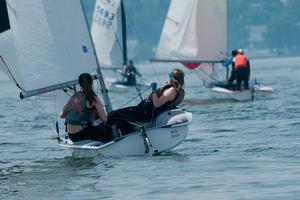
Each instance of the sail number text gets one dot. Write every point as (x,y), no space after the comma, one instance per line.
(104,17)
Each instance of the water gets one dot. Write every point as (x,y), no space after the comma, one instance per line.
(247,150)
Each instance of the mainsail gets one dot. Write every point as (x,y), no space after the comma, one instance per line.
(109,34)
(194,30)
(51,47)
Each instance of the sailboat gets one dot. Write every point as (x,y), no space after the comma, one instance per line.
(46,45)
(195,34)
(110,38)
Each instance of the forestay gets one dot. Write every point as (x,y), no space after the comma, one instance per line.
(107,33)
(51,42)
(194,30)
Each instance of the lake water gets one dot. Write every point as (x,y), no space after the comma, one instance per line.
(234,150)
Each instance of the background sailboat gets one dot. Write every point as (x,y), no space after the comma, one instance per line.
(109,35)
(47,47)
(195,34)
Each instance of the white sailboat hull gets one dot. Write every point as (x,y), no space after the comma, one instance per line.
(257,92)
(171,129)
(263,92)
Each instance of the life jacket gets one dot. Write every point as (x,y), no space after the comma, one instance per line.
(240,61)
(173,103)
(77,112)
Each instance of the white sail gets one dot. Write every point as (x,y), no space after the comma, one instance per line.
(51,42)
(107,33)
(8,50)
(8,56)
(194,30)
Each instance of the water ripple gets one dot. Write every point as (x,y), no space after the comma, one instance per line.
(259,149)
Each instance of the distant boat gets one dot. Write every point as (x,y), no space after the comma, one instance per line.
(195,34)
(47,47)
(110,39)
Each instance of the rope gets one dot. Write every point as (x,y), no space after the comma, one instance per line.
(143,47)
(9,71)
(56,121)
(134,98)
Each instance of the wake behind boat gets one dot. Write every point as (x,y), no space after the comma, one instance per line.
(48,54)
(195,34)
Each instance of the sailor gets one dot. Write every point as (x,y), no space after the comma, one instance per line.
(130,73)
(166,97)
(230,61)
(242,69)
(81,111)
(171,94)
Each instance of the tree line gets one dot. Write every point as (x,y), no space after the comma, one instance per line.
(280,19)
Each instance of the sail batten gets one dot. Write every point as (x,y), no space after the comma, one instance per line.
(194,30)
(50,42)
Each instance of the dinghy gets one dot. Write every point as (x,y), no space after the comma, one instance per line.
(220,91)
(195,34)
(47,46)
(110,39)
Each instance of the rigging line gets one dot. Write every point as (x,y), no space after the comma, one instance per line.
(143,47)
(122,52)
(12,76)
(122,106)
(55,113)
(118,41)
(209,75)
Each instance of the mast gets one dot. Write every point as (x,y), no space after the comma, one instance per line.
(124,35)
(104,91)
(227,37)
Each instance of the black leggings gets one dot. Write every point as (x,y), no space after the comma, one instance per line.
(144,112)
(242,75)
(100,133)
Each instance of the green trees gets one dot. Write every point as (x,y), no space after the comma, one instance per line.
(280,22)
(283,28)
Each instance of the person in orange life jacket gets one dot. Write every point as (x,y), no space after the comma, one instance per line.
(80,112)
(242,70)
(166,97)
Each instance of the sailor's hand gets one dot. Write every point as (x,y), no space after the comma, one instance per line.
(154,86)
(224,63)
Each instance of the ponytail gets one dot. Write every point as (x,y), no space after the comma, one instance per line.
(86,81)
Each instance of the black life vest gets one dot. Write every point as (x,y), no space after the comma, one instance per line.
(173,103)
